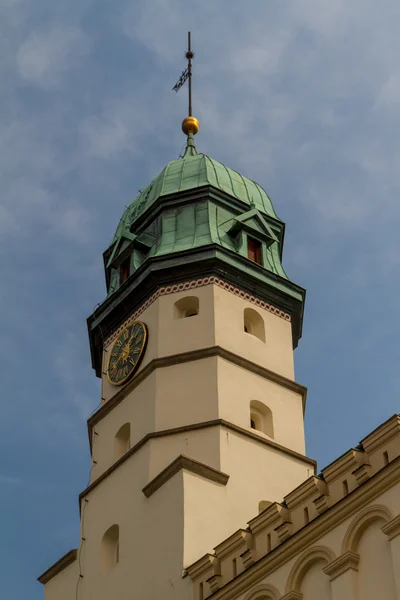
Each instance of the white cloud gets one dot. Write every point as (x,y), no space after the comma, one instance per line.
(45,56)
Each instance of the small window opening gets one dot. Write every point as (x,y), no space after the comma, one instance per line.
(122,441)
(254,250)
(186,307)
(261,418)
(306,516)
(385,458)
(234,567)
(124,270)
(253,323)
(345,487)
(110,548)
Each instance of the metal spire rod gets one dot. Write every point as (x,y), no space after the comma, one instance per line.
(190,124)
(189,56)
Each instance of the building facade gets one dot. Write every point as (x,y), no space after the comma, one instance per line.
(200,486)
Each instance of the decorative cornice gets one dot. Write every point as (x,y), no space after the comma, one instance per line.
(183,357)
(348,560)
(382,434)
(392,528)
(201,566)
(311,486)
(330,519)
(205,424)
(292,595)
(362,474)
(233,542)
(350,459)
(322,503)
(184,462)
(190,285)
(276,512)
(59,566)
(211,260)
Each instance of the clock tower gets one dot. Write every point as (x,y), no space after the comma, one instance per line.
(201,420)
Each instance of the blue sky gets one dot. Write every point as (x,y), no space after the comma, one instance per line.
(302,95)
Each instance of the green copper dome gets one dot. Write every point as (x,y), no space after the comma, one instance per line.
(193,171)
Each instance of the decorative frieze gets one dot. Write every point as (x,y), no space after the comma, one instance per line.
(190,285)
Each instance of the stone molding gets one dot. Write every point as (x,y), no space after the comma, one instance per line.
(261,591)
(59,566)
(311,486)
(191,285)
(184,462)
(242,537)
(382,434)
(347,462)
(176,359)
(361,521)
(392,528)
(273,516)
(194,427)
(322,503)
(362,473)
(292,595)
(346,561)
(202,566)
(307,558)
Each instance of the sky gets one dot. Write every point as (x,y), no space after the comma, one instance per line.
(302,96)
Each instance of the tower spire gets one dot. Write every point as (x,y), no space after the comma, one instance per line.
(190,124)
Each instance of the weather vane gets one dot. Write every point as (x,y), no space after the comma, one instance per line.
(190,124)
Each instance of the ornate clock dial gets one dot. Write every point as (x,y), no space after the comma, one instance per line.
(126,353)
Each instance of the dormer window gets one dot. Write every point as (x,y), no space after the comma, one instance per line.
(124,270)
(254,250)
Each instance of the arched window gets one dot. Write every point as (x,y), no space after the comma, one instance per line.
(186,307)
(253,323)
(110,548)
(122,441)
(261,418)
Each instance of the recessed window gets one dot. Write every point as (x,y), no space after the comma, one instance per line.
(253,323)
(124,270)
(254,250)
(110,548)
(186,307)
(122,441)
(261,418)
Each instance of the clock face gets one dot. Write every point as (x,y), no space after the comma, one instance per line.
(127,353)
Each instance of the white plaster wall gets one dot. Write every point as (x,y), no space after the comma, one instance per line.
(238,386)
(276,354)
(63,586)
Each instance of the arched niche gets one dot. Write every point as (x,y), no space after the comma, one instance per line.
(316,554)
(263,592)
(253,323)
(376,512)
(186,307)
(110,548)
(261,418)
(122,441)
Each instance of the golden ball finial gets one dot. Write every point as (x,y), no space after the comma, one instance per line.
(190,125)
